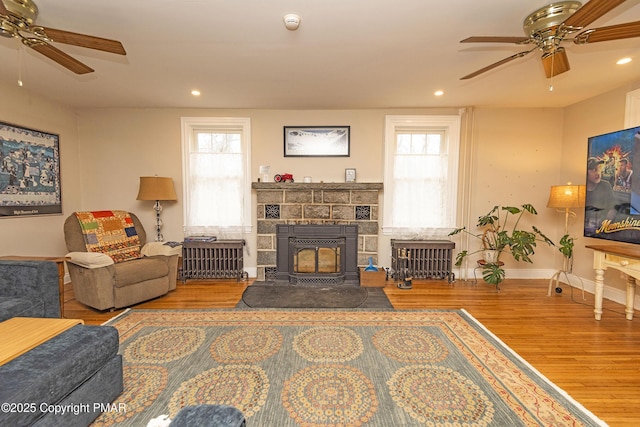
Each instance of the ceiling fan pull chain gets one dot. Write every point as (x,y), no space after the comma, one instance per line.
(552,74)
(20,65)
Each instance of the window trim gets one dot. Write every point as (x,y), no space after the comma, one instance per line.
(191,124)
(451,125)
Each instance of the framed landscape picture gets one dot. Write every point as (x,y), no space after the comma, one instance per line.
(318,141)
(29,172)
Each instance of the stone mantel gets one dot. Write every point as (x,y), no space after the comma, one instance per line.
(317,185)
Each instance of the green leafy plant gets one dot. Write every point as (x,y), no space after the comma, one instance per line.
(501,233)
(493,273)
(566,246)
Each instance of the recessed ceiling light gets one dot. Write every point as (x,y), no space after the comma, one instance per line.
(623,61)
(438,93)
(195,92)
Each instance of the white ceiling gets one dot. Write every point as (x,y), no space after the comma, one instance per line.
(346,54)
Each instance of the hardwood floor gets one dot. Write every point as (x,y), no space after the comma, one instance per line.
(596,362)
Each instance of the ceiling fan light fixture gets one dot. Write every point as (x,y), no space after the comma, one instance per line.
(555,62)
(550,26)
(17,20)
(7,29)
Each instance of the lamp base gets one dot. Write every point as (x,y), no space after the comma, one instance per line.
(158,208)
(555,281)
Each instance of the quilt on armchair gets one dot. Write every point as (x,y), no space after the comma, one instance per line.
(110,232)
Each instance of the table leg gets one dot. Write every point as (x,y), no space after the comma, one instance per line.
(631,295)
(599,293)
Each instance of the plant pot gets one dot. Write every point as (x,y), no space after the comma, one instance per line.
(490,256)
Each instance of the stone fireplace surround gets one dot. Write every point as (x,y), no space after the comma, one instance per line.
(315,203)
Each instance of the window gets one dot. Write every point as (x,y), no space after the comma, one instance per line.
(421,174)
(216,176)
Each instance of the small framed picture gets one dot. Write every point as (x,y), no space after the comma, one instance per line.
(349,175)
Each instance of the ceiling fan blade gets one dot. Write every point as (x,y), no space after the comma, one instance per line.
(497,64)
(58,56)
(84,40)
(3,9)
(555,63)
(495,39)
(591,11)
(613,32)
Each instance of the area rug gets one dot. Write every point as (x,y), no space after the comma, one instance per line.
(287,296)
(332,368)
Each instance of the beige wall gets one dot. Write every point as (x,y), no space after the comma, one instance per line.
(41,235)
(120,145)
(513,157)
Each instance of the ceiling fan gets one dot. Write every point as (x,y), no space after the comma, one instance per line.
(17,20)
(547,28)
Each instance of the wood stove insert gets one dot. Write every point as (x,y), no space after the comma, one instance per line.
(321,254)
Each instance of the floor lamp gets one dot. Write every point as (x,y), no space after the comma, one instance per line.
(157,188)
(563,198)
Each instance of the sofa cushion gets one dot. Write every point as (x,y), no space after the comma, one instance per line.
(52,370)
(89,259)
(139,270)
(20,307)
(159,248)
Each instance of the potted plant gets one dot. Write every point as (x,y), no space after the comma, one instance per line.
(500,234)
(566,246)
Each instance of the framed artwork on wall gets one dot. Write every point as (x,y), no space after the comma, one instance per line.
(316,141)
(29,172)
(612,198)
(349,175)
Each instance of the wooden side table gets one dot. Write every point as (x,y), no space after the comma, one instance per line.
(623,258)
(21,334)
(58,260)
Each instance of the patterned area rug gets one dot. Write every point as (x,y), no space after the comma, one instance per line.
(332,368)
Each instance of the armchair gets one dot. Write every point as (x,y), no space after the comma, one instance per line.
(103,284)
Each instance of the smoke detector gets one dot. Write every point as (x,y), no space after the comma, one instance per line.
(291,21)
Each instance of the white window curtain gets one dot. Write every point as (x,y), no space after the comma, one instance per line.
(421,175)
(216,177)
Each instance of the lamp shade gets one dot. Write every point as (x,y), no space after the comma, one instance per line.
(156,188)
(567,196)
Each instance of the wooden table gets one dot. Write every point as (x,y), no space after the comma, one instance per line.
(620,257)
(58,260)
(21,334)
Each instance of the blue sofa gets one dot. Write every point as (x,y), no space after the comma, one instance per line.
(69,379)
(29,289)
